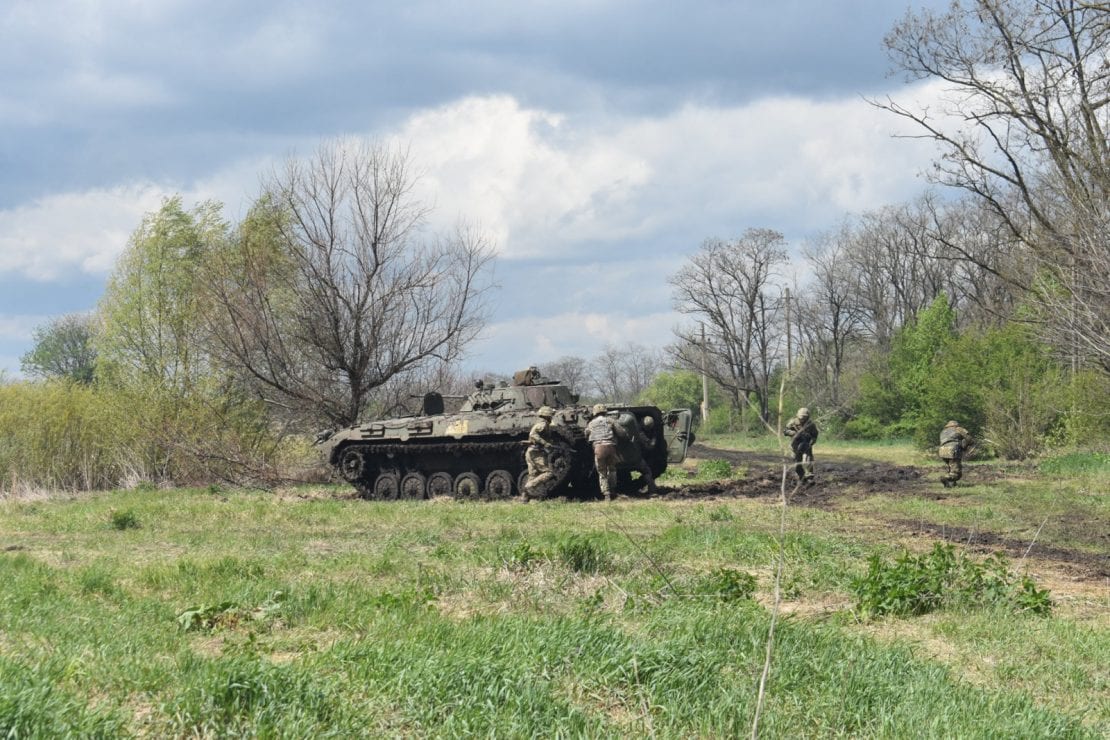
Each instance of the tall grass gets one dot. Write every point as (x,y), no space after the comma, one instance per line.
(68,436)
(241,614)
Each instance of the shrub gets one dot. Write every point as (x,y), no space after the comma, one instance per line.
(864,427)
(943,578)
(126,519)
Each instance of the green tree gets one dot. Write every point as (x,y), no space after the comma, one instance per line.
(1002,384)
(63,349)
(150,309)
(891,392)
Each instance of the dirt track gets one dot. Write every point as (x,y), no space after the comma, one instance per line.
(839,481)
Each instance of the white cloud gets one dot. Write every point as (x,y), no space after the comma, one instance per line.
(543,184)
(73,231)
(534,340)
(538,181)
(19,327)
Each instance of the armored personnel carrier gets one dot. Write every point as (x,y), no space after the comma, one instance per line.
(478,452)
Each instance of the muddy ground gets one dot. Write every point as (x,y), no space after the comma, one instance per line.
(840,481)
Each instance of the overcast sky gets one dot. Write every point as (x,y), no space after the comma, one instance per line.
(597,142)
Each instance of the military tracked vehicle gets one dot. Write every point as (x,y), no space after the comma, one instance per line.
(478,451)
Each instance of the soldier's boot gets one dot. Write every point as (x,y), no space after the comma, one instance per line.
(535,487)
(652,489)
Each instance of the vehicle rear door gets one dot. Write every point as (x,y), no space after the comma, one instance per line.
(676,430)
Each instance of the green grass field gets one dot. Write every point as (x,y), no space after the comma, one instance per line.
(307,613)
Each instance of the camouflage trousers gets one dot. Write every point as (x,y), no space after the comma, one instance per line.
(954,471)
(803,456)
(539,467)
(606,459)
(644,470)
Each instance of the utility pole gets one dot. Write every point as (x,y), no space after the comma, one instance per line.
(704,380)
(789,347)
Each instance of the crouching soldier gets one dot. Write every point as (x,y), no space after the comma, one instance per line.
(954,442)
(803,433)
(542,439)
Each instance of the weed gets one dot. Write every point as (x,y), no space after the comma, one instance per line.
(583,554)
(520,556)
(727,584)
(721,514)
(210,617)
(943,578)
(125,519)
(715,469)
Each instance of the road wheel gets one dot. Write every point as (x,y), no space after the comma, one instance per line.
(352,464)
(467,485)
(387,486)
(414,485)
(499,484)
(440,484)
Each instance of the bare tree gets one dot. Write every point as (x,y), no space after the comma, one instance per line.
(1029,91)
(331,289)
(621,374)
(571,370)
(831,317)
(729,288)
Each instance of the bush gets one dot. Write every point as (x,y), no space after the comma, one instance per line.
(943,578)
(125,519)
(69,436)
(864,427)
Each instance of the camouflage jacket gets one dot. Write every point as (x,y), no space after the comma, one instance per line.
(603,429)
(541,434)
(953,442)
(804,433)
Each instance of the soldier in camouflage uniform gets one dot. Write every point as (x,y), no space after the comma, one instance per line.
(542,438)
(954,441)
(803,433)
(603,433)
(633,450)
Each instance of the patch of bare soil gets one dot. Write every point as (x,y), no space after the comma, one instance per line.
(987,542)
(839,481)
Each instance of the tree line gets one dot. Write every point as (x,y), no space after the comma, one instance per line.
(985,299)
(993,305)
(325,302)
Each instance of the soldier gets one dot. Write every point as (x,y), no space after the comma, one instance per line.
(954,441)
(803,433)
(541,439)
(633,450)
(603,433)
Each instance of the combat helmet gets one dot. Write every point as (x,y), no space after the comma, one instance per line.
(546,412)
(803,413)
(952,423)
(599,409)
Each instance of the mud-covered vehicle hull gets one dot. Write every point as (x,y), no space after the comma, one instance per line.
(478,452)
